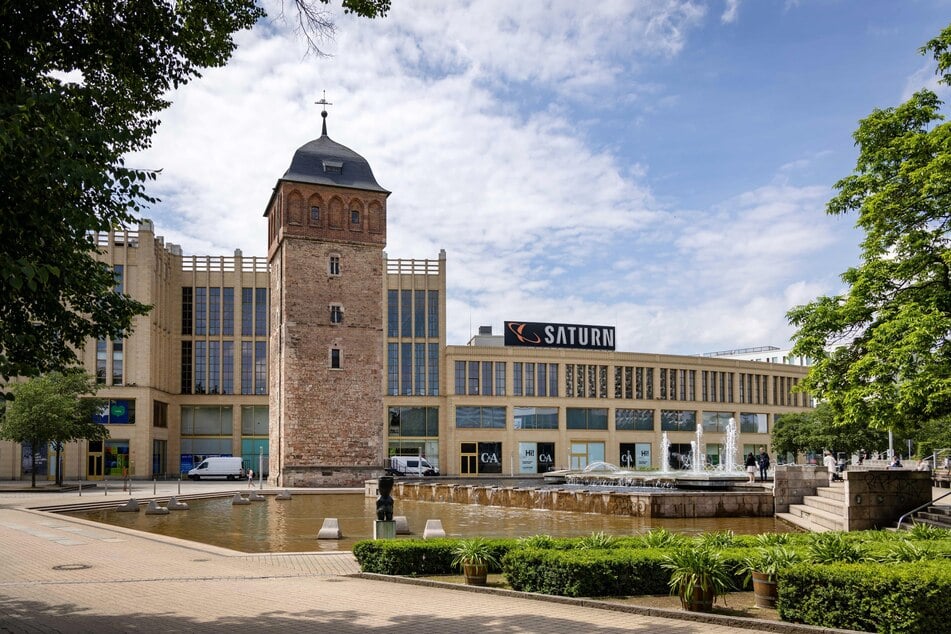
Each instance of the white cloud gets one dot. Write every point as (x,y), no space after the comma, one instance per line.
(730,12)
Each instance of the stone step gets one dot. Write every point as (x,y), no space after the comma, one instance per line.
(820,519)
(939,509)
(834,491)
(935,519)
(836,507)
(801,522)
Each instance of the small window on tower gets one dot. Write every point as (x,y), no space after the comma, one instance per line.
(336,314)
(334,265)
(335,358)
(333,167)
(315,214)
(354,217)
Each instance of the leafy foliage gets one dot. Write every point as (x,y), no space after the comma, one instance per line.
(815,430)
(595,541)
(698,568)
(49,409)
(661,538)
(81,85)
(881,351)
(834,547)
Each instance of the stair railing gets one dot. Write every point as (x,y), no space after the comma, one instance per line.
(923,506)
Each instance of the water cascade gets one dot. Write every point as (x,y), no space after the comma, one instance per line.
(664,453)
(697,453)
(730,445)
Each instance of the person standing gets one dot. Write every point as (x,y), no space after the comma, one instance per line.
(829,461)
(763,463)
(250,478)
(751,467)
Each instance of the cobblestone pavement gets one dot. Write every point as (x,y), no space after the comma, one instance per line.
(61,574)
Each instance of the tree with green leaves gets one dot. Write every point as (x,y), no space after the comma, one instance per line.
(881,351)
(54,408)
(81,86)
(816,430)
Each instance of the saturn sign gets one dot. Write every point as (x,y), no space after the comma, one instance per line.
(541,335)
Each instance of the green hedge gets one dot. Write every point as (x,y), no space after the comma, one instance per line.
(416,557)
(897,598)
(586,573)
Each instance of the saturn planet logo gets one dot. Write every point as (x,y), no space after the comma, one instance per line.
(519,331)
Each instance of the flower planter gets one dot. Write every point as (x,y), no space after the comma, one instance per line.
(764,590)
(700,600)
(475,574)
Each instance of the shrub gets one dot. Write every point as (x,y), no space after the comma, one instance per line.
(586,573)
(418,557)
(896,598)
(661,538)
(697,567)
(717,540)
(595,541)
(834,547)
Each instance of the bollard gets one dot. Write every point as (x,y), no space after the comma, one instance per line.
(80,489)
(153,486)
(179,485)
(106,488)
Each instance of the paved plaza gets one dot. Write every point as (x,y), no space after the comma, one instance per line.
(61,574)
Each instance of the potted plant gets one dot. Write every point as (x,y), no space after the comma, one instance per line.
(763,567)
(474,556)
(698,576)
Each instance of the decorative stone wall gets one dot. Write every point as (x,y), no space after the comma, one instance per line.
(793,482)
(876,499)
(672,504)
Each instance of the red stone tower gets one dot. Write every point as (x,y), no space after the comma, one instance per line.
(326,234)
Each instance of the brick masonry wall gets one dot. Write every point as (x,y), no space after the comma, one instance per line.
(326,423)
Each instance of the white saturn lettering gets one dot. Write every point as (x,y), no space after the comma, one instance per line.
(579,336)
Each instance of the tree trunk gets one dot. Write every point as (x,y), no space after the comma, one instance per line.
(33,464)
(59,471)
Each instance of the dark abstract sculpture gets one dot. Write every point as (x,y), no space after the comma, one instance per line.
(384,503)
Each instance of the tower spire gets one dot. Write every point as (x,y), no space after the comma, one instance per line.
(323,113)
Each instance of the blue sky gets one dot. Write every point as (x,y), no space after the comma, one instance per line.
(661,166)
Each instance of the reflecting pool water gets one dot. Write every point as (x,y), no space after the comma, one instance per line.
(292,525)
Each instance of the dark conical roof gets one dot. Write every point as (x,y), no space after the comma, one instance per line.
(323,161)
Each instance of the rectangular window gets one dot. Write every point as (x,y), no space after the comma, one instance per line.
(186,367)
(406,313)
(260,367)
(214,311)
(500,378)
(116,412)
(460,377)
(247,312)
(535,417)
(186,310)
(406,369)
(486,378)
(716,421)
(227,312)
(201,310)
(335,358)
(480,417)
(117,352)
(260,312)
(634,420)
(414,422)
(678,420)
(586,418)
(247,367)
(354,217)
(752,423)
(117,272)
(419,321)
(101,353)
(201,369)
(392,369)
(392,313)
(334,268)
(419,366)
(433,369)
(214,367)
(529,379)
(227,367)
(159,414)
(516,378)
(542,381)
(569,379)
(639,383)
(552,379)
(432,315)
(336,314)
(473,376)
(314,214)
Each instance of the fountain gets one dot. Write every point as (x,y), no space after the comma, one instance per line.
(664,453)
(697,451)
(729,448)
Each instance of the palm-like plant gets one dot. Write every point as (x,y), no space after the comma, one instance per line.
(474,556)
(833,547)
(661,538)
(698,574)
(595,541)
(768,561)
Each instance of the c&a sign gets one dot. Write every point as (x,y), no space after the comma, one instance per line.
(533,334)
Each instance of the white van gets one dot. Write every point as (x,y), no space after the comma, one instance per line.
(411,465)
(220,467)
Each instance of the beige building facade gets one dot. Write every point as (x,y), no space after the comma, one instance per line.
(318,362)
